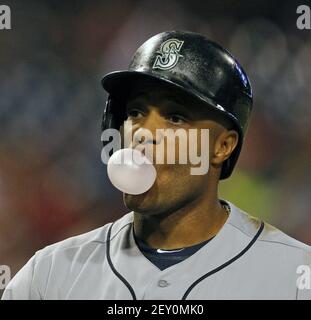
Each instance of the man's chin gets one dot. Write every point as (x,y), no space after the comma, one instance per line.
(140,203)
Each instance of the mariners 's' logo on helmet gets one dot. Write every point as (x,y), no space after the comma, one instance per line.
(168,54)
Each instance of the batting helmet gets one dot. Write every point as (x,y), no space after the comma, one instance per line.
(193,63)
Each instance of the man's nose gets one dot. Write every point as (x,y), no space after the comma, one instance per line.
(144,136)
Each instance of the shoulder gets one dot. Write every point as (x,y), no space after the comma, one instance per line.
(59,264)
(85,242)
(271,238)
(279,257)
(78,242)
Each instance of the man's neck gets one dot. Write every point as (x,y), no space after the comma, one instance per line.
(196,222)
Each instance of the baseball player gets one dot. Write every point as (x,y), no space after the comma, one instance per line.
(179,241)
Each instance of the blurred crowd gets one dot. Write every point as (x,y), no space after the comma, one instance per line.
(52,182)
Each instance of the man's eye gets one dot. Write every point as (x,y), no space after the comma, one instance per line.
(134,113)
(176,119)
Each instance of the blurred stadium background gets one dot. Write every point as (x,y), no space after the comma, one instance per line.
(52,182)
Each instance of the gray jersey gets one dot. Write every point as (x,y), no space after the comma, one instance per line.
(247,259)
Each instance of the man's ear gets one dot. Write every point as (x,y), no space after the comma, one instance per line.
(225,143)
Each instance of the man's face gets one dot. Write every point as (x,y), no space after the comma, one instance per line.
(159,107)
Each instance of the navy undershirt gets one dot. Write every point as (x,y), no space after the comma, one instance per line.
(166,258)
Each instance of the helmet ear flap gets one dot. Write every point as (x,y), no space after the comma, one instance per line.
(114,114)
(110,120)
(107,120)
